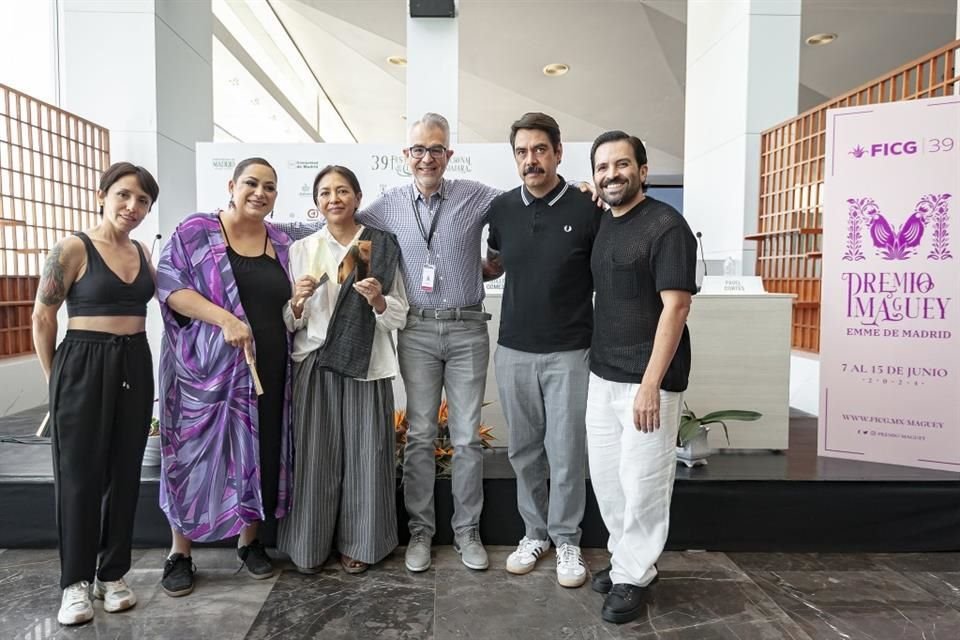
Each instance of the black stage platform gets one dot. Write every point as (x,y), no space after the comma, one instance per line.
(790,501)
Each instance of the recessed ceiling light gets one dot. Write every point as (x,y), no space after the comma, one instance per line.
(819,39)
(556,69)
(397,61)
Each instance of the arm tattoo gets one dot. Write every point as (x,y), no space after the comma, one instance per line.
(52,291)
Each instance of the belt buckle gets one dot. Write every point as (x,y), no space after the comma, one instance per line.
(436,313)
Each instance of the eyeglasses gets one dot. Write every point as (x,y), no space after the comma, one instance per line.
(418,151)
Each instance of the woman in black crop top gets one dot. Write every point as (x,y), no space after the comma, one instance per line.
(101,389)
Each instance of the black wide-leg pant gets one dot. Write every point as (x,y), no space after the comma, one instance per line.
(101,402)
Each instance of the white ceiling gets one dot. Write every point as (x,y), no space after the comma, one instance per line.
(635,46)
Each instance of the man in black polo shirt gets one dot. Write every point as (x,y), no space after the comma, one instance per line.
(541,234)
(643,264)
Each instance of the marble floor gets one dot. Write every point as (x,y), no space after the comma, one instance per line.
(699,596)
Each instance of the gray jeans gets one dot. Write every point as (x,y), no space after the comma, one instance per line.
(544,398)
(450,355)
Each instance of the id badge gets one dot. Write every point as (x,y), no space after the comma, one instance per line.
(426,281)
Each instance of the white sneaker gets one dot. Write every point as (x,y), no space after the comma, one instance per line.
(116,595)
(571,571)
(524,559)
(75,607)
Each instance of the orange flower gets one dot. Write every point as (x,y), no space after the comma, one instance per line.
(443,414)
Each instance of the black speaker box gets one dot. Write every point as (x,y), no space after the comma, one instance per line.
(432,9)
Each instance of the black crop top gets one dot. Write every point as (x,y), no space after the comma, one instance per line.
(101,292)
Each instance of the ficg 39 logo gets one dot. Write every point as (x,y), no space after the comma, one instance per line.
(898,148)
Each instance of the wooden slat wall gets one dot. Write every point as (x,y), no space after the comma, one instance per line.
(791,184)
(50,162)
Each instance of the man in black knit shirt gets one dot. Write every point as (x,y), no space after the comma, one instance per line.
(643,265)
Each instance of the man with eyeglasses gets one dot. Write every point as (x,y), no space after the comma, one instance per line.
(445,345)
(541,235)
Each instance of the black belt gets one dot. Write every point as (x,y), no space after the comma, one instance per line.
(473,312)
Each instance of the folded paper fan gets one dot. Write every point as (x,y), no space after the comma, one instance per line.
(320,261)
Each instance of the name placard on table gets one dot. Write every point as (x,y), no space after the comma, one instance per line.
(733,285)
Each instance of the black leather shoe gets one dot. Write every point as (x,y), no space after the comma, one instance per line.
(255,558)
(624,603)
(601,582)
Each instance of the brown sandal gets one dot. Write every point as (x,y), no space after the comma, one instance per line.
(352,566)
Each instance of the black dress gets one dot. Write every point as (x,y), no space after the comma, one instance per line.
(264,289)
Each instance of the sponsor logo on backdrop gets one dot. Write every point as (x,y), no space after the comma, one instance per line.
(460,164)
(303,164)
(306,191)
(223,163)
(313,214)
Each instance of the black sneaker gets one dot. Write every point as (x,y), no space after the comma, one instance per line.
(624,603)
(178,575)
(255,558)
(601,582)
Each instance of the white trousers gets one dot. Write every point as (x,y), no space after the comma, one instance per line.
(632,474)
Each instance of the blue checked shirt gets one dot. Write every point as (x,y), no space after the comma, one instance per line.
(454,248)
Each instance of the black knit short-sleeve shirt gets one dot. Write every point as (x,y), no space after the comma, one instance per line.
(647,250)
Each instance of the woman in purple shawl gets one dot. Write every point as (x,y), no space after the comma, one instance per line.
(227,455)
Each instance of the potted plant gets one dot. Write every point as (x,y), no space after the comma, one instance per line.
(151,455)
(442,446)
(692,445)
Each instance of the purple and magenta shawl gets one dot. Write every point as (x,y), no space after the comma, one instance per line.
(210,474)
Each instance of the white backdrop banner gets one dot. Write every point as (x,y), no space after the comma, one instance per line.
(890,324)
(378,167)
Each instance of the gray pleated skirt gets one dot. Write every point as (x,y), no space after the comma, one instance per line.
(344,477)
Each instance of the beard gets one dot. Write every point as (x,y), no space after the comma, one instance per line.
(629,192)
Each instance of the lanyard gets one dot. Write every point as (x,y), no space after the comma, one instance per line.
(427,236)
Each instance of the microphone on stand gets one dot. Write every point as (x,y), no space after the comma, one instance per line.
(703,259)
(154,244)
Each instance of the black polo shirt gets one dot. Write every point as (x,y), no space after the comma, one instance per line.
(647,250)
(545,245)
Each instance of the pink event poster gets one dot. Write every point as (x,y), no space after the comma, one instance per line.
(890,321)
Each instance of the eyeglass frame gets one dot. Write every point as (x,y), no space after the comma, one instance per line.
(436,152)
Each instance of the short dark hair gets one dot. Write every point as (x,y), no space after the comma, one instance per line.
(343,171)
(540,122)
(639,151)
(120,169)
(243,164)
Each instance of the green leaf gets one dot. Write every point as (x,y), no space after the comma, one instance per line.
(731,414)
(689,430)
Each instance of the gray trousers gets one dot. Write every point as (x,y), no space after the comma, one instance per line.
(544,398)
(451,356)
